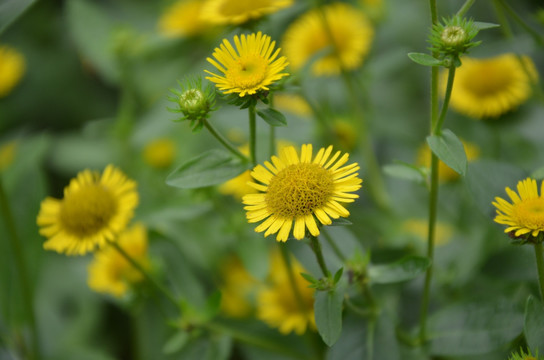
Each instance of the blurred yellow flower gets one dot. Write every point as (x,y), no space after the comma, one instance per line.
(160,153)
(279,306)
(445,173)
(12,68)
(307,36)
(525,215)
(238,186)
(488,88)
(182,18)
(238,289)
(292,103)
(95,209)
(222,12)
(294,191)
(419,229)
(7,154)
(252,67)
(110,272)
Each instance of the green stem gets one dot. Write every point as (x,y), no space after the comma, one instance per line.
(466,6)
(333,245)
(505,26)
(145,274)
(540,267)
(272,138)
(371,328)
(316,247)
(20,264)
(449,86)
(224,141)
(252,134)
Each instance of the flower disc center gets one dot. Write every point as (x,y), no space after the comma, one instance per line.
(249,71)
(88,210)
(530,213)
(299,189)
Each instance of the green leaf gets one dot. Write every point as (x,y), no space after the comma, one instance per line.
(405,171)
(471,329)
(10,10)
(272,117)
(450,150)
(484,25)
(338,275)
(176,342)
(405,269)
(340,222)
(309,278)
(211,168)
(534,325)
(328,315)
(425,59)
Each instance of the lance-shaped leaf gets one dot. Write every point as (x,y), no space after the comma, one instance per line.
(450,150)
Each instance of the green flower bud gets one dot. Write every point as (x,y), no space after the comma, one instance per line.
(453,37)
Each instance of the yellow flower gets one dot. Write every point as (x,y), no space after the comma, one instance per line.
(292,103)
(253,66)
(277,304)
(110,272)
(160,153)
(238,186)
(526,212)
(419,228)
(224,12)
(237,290)
(7,154)
(294,190)
(445,173)
(350,29)
(488,88)
(12,68)
(182,18)
(95,209)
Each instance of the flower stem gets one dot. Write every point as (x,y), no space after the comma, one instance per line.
(224,141)
(333,245)
(466,6)
(540,267)
(272,136)
(316,247)
(449,86)
(26,291)
(145,274)
(252,134)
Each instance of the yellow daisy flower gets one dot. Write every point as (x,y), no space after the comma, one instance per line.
(526,212)
(95,209)
(351,31)
(160,153)
(445,173)
(294,190)
(292,103)
(110,272)
(277,304)
(12,68)
(238,289)
(488,88)
(222,12)
(182,18)
(253,66)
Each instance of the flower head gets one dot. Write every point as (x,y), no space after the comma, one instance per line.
(182,18)
(453,37)
(252,67)
(295,190)
(351,33)
(110,272)
(95,209)
(224,12)
(193,101)
(278,305)
(12,68)
(525,215)
(160,153)
(488,88)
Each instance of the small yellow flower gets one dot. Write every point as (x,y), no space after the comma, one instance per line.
(182,18)
(350,29)
(445,173)
(110,272)
(238,289)
(12,68)
(95,209)
(277,304)
(419,229)
(295,190)
(525,215)
(253,66)
(160,153)
(488,88)
(7,154)
(222,12)
(292,103)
